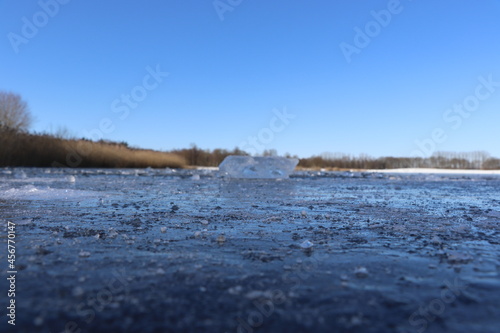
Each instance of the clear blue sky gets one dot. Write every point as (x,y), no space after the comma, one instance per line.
(231,63)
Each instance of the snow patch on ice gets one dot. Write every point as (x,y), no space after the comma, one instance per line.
(437,171)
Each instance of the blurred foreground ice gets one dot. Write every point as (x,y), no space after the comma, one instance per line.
(257,167)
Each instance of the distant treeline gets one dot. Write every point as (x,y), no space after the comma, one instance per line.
(195,156)
(442,160)
(19,148)
(445,160)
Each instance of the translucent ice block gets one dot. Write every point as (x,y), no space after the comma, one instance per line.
(257,167)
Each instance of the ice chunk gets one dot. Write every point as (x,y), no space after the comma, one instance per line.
(257,167)
(84,254)
(20,174)
(361,272)
(455,257)
(307,244)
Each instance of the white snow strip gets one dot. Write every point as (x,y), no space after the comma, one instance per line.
(437,171)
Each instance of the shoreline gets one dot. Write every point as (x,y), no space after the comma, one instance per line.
(297,169)
(401,170)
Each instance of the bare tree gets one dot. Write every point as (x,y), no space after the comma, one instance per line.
(14,112)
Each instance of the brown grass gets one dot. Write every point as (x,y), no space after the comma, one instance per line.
(35,150)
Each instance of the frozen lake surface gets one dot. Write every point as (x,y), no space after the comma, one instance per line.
(186,251)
